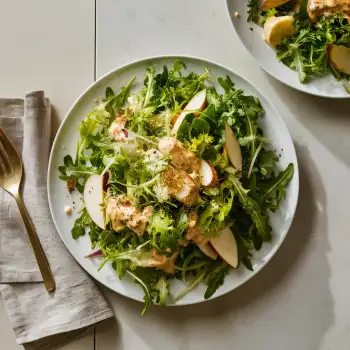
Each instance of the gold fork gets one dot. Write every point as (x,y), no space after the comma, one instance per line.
(11,170)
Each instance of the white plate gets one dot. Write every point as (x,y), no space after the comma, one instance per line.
(66,141)
(265,55)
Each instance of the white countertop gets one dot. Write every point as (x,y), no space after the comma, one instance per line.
(301,299)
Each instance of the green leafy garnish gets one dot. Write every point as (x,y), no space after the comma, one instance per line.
(253,11)
(80,224)
(216,278)
(274,189)
(114,103)
(259,218)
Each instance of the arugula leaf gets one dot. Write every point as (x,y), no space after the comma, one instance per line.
(252,110)
(109,92)
(200,126)
(80,224)
(148,296)
(155,282)
(78,230)
(259,218)
(244,254)
(216,278)
(299,64)
(196,254)
(162,79)
(198,278)
(162,286)
(266,161)
(149,82)
(107,238)
(185,129)
(178,65)
(227,83)
(273,190)
(114,103)
(75,171)
(192,83)
(94,234)
(253,11)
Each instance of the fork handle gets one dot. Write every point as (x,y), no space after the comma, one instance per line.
(39,253)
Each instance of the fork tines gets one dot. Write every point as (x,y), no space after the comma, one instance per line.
(5,160)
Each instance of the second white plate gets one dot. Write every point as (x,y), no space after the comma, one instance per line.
(251,36)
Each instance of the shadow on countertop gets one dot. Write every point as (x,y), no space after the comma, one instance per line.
(327,119)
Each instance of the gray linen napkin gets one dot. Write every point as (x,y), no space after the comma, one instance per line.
(39,319)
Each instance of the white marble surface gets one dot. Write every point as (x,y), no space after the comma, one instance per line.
(300,300)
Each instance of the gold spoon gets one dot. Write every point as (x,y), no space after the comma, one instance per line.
(11,170)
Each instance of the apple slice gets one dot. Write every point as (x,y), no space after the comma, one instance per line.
(226,246)
(269,4)
(174,118)
(339,57)
(93,197)
(233,148)
(208,175)
(208,250)
(197,103)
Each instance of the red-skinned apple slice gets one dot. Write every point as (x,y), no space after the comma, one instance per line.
(208,250)
(174,118)
(197,103)
(226,246)
(339,57)
(233,149)
(269,4)
(208,175)
(93,197)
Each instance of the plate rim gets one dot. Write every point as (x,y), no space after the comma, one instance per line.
(275,248)
(271,74)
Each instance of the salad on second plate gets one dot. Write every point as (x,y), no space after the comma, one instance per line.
(310,36)
(176,181)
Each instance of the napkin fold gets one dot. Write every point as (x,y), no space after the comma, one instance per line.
(40,320)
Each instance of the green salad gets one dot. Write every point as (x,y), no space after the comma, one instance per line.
(176,180)
(310,36)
